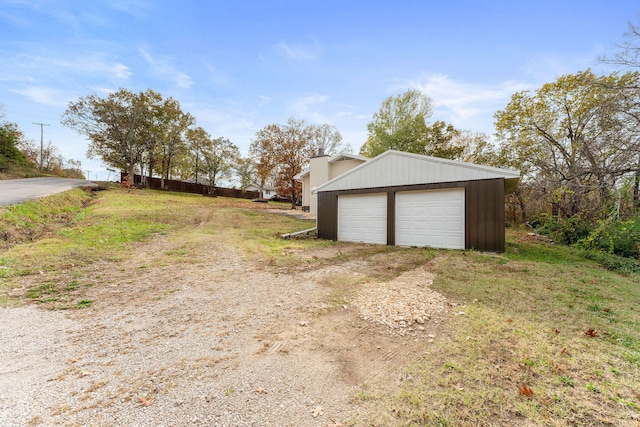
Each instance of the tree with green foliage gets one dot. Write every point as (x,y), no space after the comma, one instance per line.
(400,124)
(219,157)
(117,126)
(574,139)
(10,137)
(168,127)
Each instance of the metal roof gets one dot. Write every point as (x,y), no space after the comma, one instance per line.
(393,168)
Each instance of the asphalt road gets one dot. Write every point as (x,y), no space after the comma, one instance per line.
(13,191)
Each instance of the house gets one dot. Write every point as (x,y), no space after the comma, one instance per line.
(268,191)
(408,199)
(323,168)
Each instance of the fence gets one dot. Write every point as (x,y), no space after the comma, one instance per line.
(190,187)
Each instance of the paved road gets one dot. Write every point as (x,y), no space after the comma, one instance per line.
(13,191)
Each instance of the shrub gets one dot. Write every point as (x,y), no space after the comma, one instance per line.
(626,266)
(565,231)
(615,237)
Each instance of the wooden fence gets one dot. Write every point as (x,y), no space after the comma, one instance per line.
(189,187)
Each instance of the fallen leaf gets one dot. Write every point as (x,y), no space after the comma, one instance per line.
(260,391)
(317,411)
(144,402)
(524,390)
(591,333)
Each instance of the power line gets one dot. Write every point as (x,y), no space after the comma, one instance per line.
(42,125)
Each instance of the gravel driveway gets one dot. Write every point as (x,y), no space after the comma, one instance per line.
(229,344)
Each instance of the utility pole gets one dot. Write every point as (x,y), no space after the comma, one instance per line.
(42,125)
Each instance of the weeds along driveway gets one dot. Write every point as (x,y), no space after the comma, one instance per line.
(224,342)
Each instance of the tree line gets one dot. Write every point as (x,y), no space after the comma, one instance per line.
(147,134)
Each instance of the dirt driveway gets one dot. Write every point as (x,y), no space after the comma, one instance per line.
(228,344)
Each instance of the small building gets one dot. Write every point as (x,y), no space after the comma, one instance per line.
(407,199)
(321,169)
(268,191)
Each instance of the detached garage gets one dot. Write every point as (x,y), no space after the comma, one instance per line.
(407,199)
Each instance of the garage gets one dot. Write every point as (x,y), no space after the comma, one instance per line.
(432,218)
(363,218)
(408,199)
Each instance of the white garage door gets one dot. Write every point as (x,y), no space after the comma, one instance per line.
(363,218)
(432,218)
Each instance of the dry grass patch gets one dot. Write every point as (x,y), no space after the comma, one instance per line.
(542,337)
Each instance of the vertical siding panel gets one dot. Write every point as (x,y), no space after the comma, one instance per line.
(391,218)
(327,221)
(471,215)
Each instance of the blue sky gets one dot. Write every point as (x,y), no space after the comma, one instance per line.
(238,66)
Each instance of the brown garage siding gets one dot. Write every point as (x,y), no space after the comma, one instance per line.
(484,211)
(328,215)
(484,215)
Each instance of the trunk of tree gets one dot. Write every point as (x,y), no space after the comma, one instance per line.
(150,172)
(520,199)
(293,194)
(636,190)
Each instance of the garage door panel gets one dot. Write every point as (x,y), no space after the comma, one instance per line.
(363,218)
(432,218)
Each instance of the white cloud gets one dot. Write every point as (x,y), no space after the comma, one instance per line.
(307,108)
(162,65)
(45,95)
(298,51)
(136,8)
(229,121)
(466,105)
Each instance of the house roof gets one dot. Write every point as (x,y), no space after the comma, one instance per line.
(333,159)
(393,168)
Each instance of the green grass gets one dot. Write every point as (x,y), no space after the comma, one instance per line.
(57,235)
(528,313)
(553,318)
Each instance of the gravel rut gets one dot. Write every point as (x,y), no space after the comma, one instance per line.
(224,343)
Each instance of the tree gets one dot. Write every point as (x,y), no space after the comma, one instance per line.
(628,53)
(441,140)
(218,158)
(573,139)
(284,149)
(115,125)
(245,169)
(327,140)
(168,128)
(400,124)
(10,139)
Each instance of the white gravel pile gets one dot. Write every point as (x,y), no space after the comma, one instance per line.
(402,305)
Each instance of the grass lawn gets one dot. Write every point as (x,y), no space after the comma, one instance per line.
(540,334)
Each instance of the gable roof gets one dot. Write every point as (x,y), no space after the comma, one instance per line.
(393,168)
(335,158)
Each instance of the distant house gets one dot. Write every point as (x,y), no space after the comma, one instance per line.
(321,169)
(408,199)
(268,191)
